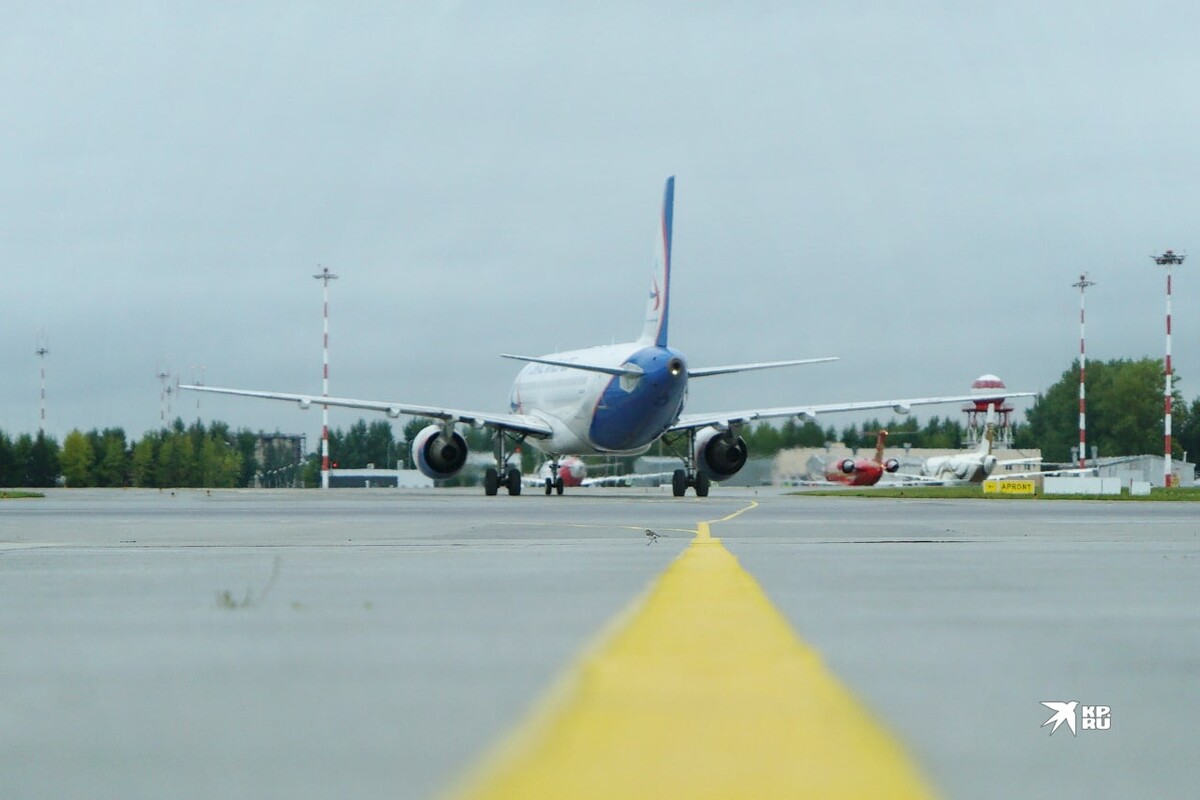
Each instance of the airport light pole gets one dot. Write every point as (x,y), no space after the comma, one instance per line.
(325,276)
(1082,285)
(162,376)
(43,350)
(1167,259)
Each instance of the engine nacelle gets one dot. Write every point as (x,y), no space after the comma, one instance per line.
(891,465)
(436,456)
(902,409)
(847,466)
(719,454)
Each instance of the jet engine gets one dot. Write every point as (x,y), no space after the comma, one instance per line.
(719,454)
(891,465)
(846,466)
(437,456)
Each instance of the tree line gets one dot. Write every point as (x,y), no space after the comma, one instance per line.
(766,439)
(1124,415)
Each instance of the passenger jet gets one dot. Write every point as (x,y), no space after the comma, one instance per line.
(609,400)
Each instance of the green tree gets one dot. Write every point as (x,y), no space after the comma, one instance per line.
(175,460)
(1189,430)
(77,459)
(112,465)
(43,461)
(144,462)
(1124,410)
(246,442)
(8,462)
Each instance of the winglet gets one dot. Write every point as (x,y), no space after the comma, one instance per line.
(659,303)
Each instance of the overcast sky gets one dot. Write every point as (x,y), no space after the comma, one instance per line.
(911,186)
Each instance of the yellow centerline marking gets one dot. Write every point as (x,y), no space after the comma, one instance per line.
(753,505)
(702,689)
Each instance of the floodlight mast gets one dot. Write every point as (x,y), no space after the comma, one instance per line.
(325,276)
(1168,259)
(1082,285)
(163,376)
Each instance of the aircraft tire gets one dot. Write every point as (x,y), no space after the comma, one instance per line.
(514,482)
(558,485)
(702,484)
(679,483)
(491,482)
(549,485)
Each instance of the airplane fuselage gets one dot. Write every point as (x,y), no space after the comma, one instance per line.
(969,468)
(865,472)
(598,413)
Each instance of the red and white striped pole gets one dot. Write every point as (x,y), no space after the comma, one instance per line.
(1167,259)
(42,351)
(1081,285)
(325,276)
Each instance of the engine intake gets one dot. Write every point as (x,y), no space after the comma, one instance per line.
(437,456)
(719,454)
(847,466)
(891,465)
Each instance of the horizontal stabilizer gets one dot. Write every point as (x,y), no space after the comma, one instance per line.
(704,372)
(621,371)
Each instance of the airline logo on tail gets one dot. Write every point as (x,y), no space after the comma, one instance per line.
(659,304)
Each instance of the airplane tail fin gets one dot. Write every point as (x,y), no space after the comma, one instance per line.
(880,443)
(659,303)
(989,431)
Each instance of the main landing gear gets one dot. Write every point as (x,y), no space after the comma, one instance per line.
(681,479)
(492,482)
(503,474)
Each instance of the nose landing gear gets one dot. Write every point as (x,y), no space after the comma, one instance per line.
(554,483)
(681,479)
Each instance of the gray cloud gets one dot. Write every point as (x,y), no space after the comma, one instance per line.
(913,189)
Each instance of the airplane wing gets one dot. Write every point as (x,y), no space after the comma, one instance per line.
(704,372)
(1050,473)
(728,418)
(521,423)
(627,478)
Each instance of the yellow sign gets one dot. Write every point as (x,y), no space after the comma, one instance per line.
(1008,487)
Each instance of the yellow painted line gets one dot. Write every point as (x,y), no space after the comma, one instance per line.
(701,690)
(739,512)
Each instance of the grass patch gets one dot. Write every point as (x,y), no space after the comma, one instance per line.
(1189,494)
(9,494)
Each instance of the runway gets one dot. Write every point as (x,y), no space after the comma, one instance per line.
(369,643)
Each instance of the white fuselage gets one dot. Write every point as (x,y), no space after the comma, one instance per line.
(965,468)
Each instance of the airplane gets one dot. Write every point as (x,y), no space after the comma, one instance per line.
(862,471)
(614,399)
(571,472)
(978,465)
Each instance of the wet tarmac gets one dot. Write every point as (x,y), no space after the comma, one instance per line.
(370,643)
